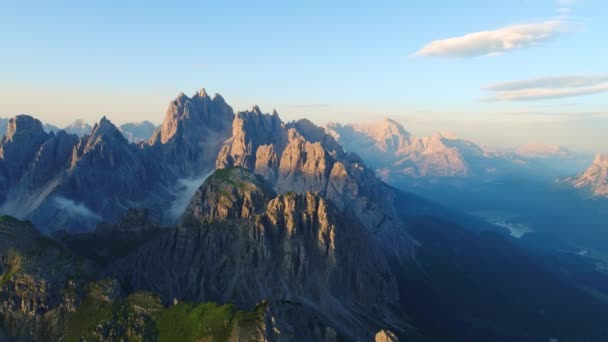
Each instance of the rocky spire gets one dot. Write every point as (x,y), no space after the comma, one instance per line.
(601,160)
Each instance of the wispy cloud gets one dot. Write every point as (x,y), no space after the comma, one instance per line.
(75,209)
(494,42)
(548,88)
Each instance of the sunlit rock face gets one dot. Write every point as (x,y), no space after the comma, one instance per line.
(244,243)
(595,178)
(301,157)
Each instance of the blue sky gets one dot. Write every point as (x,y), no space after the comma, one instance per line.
(499,73)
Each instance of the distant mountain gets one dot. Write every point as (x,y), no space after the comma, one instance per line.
(595,178)
(46,126)
(541,150)
(395,152)
(137,131)
(50,128)
(79,127)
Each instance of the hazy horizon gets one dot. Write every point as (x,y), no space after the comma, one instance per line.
(501,75)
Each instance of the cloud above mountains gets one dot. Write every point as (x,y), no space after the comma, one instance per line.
(548,88)
(494,42)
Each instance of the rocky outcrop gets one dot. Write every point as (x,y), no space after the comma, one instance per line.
(245,244)
(595,179)
(386,336)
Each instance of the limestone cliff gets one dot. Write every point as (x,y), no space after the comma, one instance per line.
(245,244)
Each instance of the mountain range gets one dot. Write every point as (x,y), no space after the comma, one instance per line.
(398,156)
(239,226)
(133,131)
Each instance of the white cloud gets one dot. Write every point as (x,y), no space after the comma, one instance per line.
(75,209)
(548,88)
(494,42)
(185,189)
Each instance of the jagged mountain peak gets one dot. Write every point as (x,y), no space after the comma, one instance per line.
(595,178)
(232,193)
(24,124)
(256,109)
(201,93)
(601,160)
(199,111)
(107,130)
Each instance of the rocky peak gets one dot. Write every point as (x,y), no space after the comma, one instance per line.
(601,160)
(187,114)
(232,193)
(24,137)
(201,93)
(24,126)
(251,130)
(106,129)
(594,179)
(103,133)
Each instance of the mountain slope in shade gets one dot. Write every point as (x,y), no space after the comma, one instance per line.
(595,178)
(101,175)
(393,151)
(137,131)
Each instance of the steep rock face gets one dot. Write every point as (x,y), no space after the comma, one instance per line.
(245,244)
(51,158)
(23,138)
(251,130)
(105,176)
(595,178)
(300,157)
(191,134)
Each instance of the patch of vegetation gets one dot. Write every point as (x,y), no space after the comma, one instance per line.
(141,316)
(91,313)
(191,322)
(7,218)
(14,263)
